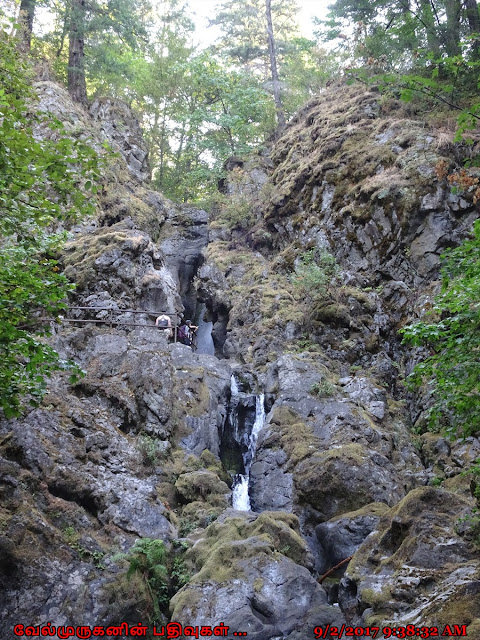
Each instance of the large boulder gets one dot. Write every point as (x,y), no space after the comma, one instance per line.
(418,566)
(250,573)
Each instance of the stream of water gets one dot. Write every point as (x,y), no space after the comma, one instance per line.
(204,334)
(240,497)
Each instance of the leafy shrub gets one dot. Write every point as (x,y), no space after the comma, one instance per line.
(96,557)
(451,373)
(322,388)
(314,274)
(150,450)
(147,560)
(39,189)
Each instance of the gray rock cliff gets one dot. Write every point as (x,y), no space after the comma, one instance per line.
(146,445)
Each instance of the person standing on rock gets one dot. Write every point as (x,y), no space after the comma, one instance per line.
(184,334)
(164,323)
(192,330)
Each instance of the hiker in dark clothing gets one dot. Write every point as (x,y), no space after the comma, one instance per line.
(186,333)
(183,334)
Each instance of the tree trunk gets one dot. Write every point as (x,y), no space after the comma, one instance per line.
(452,36)
(273,66)
(77,86)
(163,142)
(27,14)
(431,26)
(471,7)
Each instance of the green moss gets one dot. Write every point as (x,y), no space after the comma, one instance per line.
(199,484)
(461,607)
(473,629)
(376,599)
(294,436)
(335,314)
(186,599)
(180,462)
(80,254)
(199,514)
(194,393)
(353,451)
(119,203)
(258,584)
(217,553)
(363,297)
(373,509)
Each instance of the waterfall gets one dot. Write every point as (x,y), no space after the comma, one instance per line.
(234,402)
(234,387)
(240,498)
(204,334)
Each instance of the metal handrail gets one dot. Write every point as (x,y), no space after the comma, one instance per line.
(158,313)
(111,321)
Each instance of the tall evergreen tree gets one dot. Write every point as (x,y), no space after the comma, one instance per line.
(77,85)
(26,18)
(273,66)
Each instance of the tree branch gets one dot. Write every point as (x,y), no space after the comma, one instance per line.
(330,571)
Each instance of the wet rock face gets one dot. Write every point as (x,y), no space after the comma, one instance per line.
(119,267)
(341,536)
(183,244)
(417,566)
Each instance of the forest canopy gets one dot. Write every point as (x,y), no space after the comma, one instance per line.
(198,103)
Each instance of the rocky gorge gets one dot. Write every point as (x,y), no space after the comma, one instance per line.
(149,444)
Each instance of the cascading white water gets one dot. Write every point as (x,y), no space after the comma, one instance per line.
(240,498)
(234,401)
(204,334)
(233,386)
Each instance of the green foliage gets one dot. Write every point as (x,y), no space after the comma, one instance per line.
(43,181)
(314,273)
(236,212)
(186,527)
(196,107)
(147,559)
(96,557)
(162,573)
(149,449)
(304,68)
(221,112)
(451,373)
(113,32)
(244,31)
(322,389)
(402,34)
(180,575)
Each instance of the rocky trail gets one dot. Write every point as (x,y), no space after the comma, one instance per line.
(286,443)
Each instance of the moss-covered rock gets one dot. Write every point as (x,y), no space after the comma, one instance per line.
(200,484)
(344,479)
(245,574)
(416,565)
